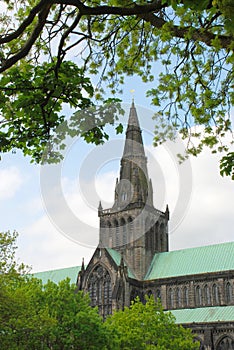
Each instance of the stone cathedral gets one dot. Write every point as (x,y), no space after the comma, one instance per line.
(133,258)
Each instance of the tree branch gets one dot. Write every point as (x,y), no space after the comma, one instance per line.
(24,24)
(28,45)
(198,35)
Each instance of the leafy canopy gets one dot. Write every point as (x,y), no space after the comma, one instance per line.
(33,316)
(148,327)
(50,48)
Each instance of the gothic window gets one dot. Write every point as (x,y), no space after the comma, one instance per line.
(156,237)
(226,343)
(109,233)
(149,293)
(158,294)
(130,229)
(207,299)
(228,292)
(186,297)
(124,196)
(124,230)
(161,246)
(147,234)
(170,299)
(215,292)
(117,236)
(152,236)
(100,290)
(133,295)
(198,296)
(196,339)
(178,297)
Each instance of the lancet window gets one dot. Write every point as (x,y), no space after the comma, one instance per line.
(100,290)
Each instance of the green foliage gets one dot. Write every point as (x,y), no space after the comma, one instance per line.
(148,327)
(8,265)
(185,46)
(227,165)
(33,316)
(31,101)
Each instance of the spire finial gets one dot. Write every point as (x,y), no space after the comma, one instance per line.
(132,93)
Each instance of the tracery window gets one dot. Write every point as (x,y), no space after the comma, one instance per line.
(226,343)
(100,290)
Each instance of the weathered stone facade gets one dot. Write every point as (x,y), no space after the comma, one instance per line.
(132,258)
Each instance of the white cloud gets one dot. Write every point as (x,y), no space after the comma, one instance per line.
(10,182)
(43,247)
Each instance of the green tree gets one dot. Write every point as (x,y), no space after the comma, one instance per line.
(192,41)
(148,327)
(34,316)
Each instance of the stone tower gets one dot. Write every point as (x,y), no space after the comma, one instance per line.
(133,226)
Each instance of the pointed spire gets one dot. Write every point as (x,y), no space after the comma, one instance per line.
(133,144)
(82,266)
(100,208)
(133,182)
(133,118)
(167,213)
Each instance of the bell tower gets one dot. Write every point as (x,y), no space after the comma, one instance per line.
(133,226)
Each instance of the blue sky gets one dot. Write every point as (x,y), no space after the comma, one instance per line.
(203,215)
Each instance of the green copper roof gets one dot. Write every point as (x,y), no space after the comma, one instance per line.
(204,314)
(192,261)
(58,275)
(116,256)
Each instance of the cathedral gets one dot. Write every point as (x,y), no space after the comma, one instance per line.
(133,258)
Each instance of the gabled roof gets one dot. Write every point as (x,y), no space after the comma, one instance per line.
(58,275)
(204,314)
(192,261)
(116,256)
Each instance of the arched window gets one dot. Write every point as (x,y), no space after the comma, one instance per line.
(228,292)
(149,293)
(152,236)
(124,231)
(226,343)
(170,299)
(100,290)
(158,294)
(178,297)
(117,235)
(109,232)
(198,296)
(186,297)
(147,234)
(130,230)
(161,246)
(156,237)
(207,298)
(215,292)
(134,294)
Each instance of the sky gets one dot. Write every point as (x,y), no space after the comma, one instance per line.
(54,208)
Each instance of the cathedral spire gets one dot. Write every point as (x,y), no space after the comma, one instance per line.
(133,143)
(134,184)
